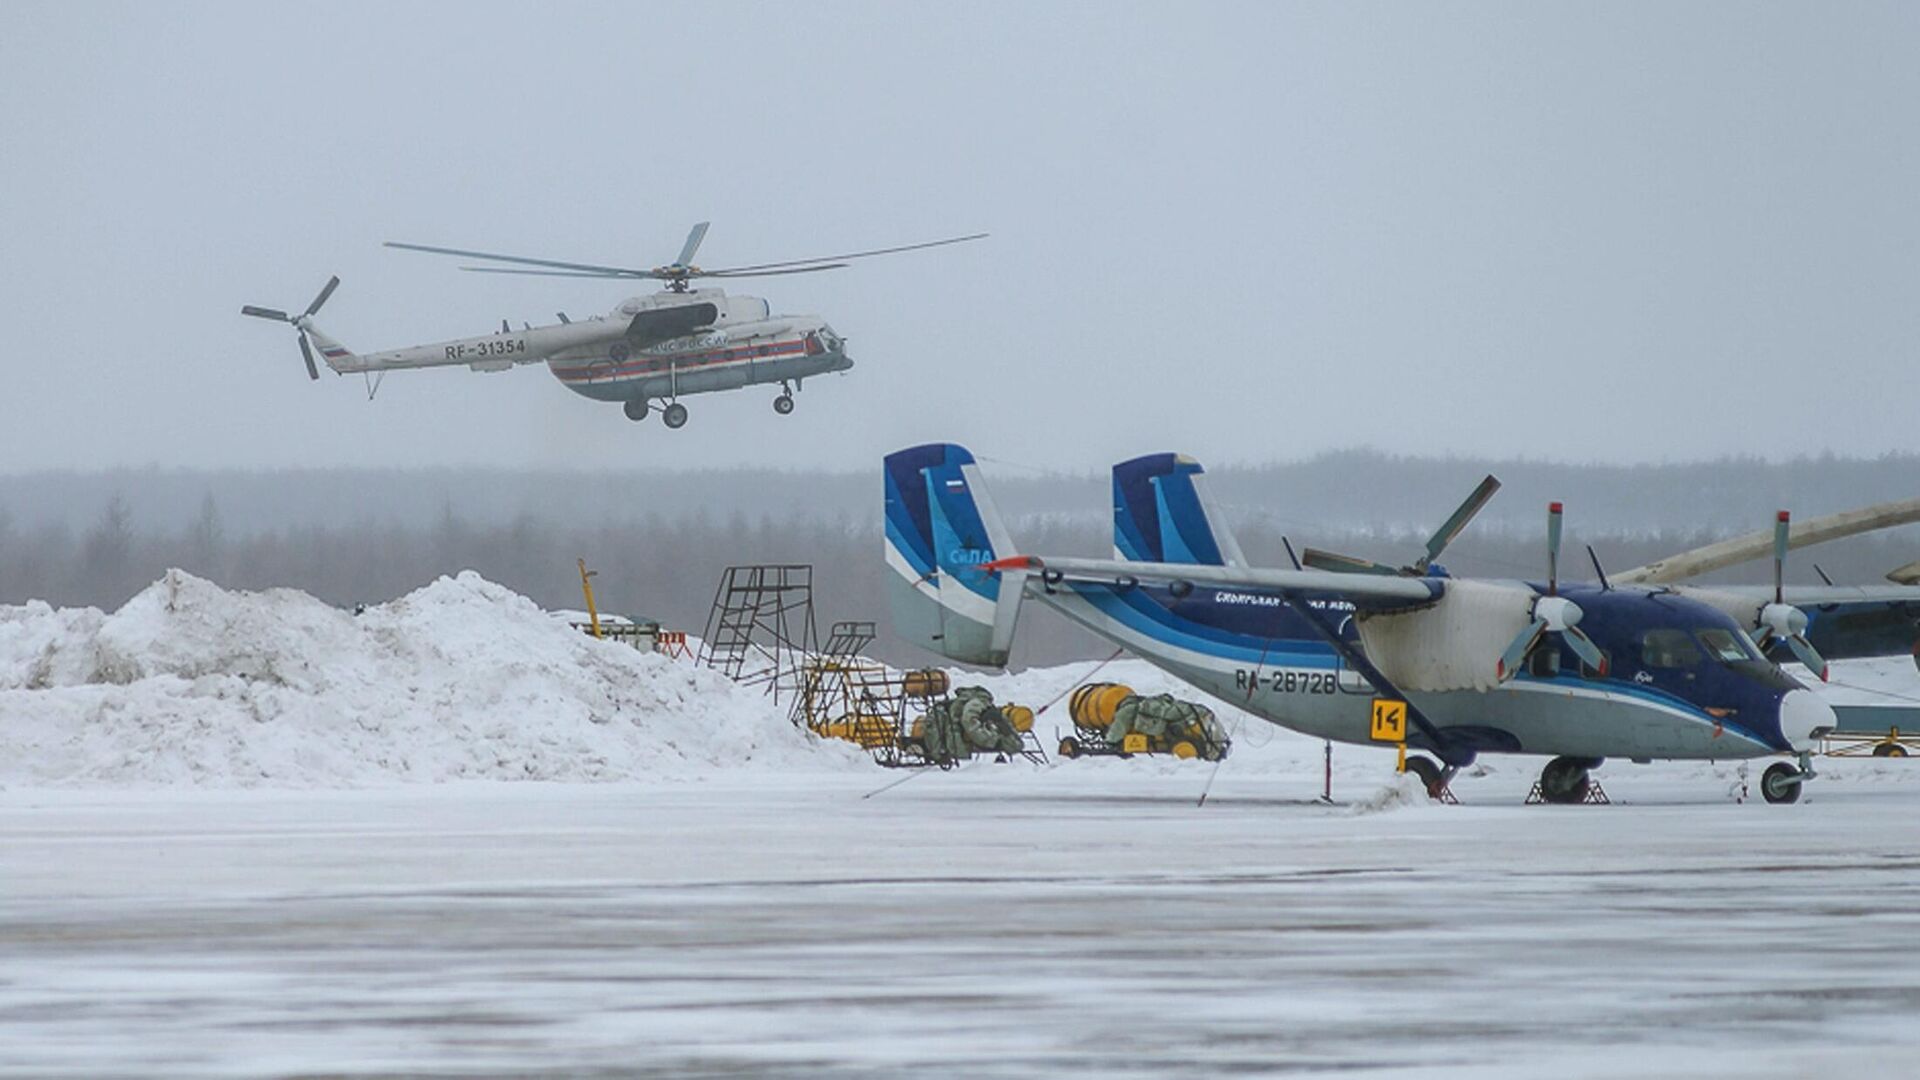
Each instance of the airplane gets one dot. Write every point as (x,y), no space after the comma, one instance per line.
(1576,672)
(647,353)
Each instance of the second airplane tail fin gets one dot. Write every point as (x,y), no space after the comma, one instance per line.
(1164,512)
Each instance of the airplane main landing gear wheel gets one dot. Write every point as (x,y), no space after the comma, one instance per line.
(674,415)
(1781,783)
(783,404)
(1565,781)
(637,409)
(1429,773)
(1889,749)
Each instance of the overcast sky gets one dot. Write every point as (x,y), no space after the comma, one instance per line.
(1251,232)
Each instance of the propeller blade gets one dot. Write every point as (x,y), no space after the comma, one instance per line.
(1780,526)
(850,255)
(1804,652)
(694,236)
(332,284)
(266,313)
(1553,549)
(1458,522)
(1516,653)
(1291,557)
(1584,647)
(609,271)
(306,352)
(1345,564)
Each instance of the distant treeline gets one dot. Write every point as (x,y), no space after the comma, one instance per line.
(661,542)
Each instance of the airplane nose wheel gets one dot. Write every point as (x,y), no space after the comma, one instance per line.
(674,415)
(783,404)
(1781,783)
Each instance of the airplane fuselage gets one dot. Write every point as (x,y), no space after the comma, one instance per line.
(1253,649)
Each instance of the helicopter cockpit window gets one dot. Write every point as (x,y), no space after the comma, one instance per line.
(1726,646)
(1669,649)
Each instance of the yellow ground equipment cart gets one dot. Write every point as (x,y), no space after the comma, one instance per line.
(1109,718)
(1876,730)
(843,695)
(969,723)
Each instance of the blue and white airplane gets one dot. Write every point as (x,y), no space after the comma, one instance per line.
(1574,672)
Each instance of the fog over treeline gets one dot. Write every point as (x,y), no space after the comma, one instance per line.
(661,541)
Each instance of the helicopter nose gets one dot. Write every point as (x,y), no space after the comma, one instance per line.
(1803,715)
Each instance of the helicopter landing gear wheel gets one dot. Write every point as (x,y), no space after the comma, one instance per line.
(674,415)
(783,404)
(1781,783)
(637,409)
(1564,781)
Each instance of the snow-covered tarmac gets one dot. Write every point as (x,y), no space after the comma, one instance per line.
(1086,919)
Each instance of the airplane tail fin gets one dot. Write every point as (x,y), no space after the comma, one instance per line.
(942,527)
(1164,512)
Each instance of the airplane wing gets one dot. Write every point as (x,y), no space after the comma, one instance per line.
(1367,590)
(1758,545)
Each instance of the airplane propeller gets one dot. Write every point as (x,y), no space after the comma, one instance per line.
(676,273)
(1781,621)
(1552,614)
(1437,543)
(299,322)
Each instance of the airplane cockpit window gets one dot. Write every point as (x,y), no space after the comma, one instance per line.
(1726,646)
(1669,649)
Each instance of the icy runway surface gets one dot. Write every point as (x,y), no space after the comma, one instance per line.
(1086,919)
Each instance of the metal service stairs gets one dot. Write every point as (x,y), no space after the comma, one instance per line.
(834,682)
(761,625)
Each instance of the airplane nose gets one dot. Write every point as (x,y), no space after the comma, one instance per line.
(1803,714)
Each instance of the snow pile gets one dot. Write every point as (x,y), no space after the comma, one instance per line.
(1402,791)
(191,683)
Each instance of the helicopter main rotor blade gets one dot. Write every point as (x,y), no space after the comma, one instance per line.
(849,255)
(561,273)
(608,271)
(326,291)
(266,313)
(694,236)
(767,273)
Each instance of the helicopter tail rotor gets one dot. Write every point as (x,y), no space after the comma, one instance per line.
(302,323)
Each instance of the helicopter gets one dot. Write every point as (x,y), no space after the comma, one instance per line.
(646,353)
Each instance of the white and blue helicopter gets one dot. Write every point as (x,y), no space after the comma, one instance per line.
(1577,672)
(647,353)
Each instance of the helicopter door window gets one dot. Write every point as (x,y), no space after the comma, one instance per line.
(1669,649)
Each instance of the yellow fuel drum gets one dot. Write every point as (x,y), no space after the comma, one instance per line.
(1093,705)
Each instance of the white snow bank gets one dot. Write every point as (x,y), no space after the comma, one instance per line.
(192,683)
